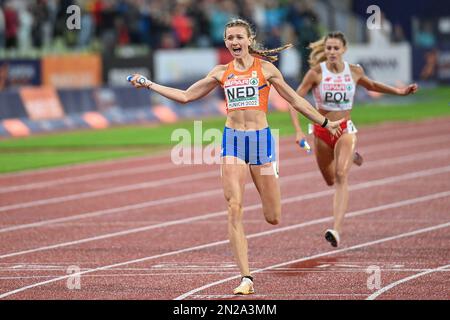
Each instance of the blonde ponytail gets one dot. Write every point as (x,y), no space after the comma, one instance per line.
(270,54)
(317,54)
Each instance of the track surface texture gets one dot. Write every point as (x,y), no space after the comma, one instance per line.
(145,228)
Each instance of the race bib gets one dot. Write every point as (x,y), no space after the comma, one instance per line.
(242,93)
(351,127)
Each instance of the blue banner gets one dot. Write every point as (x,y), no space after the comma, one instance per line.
(11,105)
(15,73)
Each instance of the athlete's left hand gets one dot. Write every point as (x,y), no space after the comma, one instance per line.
(335,127)
(411,89)
(299,136)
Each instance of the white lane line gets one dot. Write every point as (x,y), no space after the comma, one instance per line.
(195,272)
(359,186)
(103,192)
(153,184)
(160,167)
(174,271)
(286,296)
(89,177)
(212,244)
(94,164)
(412,277)
(260,234)
(303,176)
(362,245)
(418,128)
(147,204)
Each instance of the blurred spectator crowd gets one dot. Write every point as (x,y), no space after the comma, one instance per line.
(26,24)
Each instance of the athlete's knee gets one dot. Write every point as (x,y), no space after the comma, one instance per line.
(273,220)
(341,176)
(234,211)
(273,216)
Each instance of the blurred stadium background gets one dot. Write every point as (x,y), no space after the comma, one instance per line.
(58,80)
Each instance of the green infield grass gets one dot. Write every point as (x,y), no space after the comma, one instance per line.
(38,151)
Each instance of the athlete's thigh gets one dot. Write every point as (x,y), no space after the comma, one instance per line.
(265,178)
(325,159)
(234,173)
(344,149)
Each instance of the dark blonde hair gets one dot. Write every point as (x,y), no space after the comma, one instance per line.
(317,54)
(255,48)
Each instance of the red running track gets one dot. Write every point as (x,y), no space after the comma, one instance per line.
(130,225)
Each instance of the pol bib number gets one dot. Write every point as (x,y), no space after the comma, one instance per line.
(351,127)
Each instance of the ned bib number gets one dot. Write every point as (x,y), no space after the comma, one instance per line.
(242,93)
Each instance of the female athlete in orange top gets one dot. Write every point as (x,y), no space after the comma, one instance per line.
(247,141)
(333,82)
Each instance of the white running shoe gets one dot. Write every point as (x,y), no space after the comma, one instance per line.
(246,287)
(332,236)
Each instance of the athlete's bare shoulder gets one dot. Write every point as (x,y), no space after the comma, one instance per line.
(357,69)
(316,69)
(266,65)
(218,71)
(221,67)
(357,72)
(270,70)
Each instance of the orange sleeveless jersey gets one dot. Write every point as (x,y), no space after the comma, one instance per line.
(245,89)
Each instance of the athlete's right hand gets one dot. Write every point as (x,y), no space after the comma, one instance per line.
(411,89)
(335,127)
(140,81)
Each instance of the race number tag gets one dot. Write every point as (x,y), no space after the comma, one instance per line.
(242,93)
(351,127)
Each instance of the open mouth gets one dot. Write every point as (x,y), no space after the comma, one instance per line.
(237,50)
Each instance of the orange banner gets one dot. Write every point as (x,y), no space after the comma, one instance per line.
(164,114)
(96,120)
(72,71)
(16,127)
(41,103)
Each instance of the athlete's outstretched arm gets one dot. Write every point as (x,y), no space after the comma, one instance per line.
(196,91)
(306,85)
(274,76)
(373,85)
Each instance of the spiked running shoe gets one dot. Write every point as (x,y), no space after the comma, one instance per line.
(246,287)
